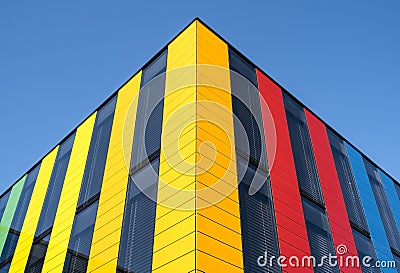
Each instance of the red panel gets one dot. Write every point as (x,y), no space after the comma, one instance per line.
(334,202)
(283,174)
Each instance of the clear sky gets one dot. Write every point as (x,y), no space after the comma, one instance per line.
(59,61)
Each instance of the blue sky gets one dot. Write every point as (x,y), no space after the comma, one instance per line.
(59,61)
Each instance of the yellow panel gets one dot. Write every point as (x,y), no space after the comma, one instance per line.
(26,237)
(58,244)
(115,180)
(177,160)
(219,234)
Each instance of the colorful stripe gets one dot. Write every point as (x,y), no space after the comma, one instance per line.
(174,237)
(375,224)
(27,234)
(110,212)
(331,190)
(218,227)
(291,227)
(9,211)
(59,239)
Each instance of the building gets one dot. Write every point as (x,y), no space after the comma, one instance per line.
(200,163)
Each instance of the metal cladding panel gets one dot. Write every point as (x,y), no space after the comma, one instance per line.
(108,225)
(27,235)
(377,230)
(174,237)
(216,166)
(392,196)
(9,211)
(331,190)
(60,235)
(292,232)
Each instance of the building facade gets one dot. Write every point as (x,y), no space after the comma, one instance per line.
(201,163)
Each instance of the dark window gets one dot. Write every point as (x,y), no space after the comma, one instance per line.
(19,215)
(241,66)
(149,114)
(306,169)
(37,255)
(81,240)
(248,124)
(349,188)
(319,235)
(5,268)
(136,249)
(49,209)
(157,67)
(94,169)
(365,248)
(3,202)
(56,183)
(257,218)
(384,208)
(397,186)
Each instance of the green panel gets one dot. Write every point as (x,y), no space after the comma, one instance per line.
(10,210)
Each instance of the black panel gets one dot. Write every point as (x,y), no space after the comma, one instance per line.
(136,249)
(96,160)
(257,219)
(365,248)
(319,235)
(81,240)
(349,188)
(149,115)
(37,255)
(384,208)
(306,169)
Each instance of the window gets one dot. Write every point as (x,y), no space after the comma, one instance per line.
(257,218)
(241,66)
(384,208)
(248,124)
(49,209)
(3,202)
(365,248)
(56,183)
(397,186)
(96,160)
(81,240)
(349,188)
(157,67)
(136,248)
(319,235)
(19,216)
(306,169)
(150,112)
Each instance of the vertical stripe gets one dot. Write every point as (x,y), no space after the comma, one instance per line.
(375,224)
(392,196)
(334,202)
(107,231)
(33,213)
(174,237)
(10,210)
(58,244)
(292,232)
(218,229)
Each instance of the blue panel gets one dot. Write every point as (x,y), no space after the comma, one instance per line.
(392,196)
(375,224)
